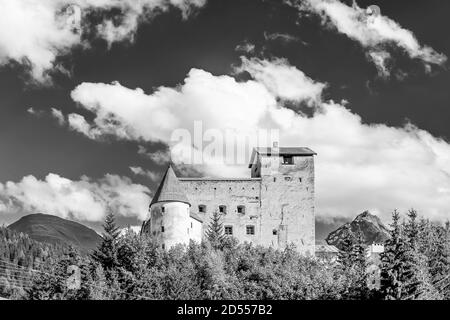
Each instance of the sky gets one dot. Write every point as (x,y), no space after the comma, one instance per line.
(92,90)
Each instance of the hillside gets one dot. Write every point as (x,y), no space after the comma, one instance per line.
(373,230)
(56,230)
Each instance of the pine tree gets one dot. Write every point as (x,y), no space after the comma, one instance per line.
(214,233)
(346,248)
(106,253)
(412,229)
(359,260)
(395,271)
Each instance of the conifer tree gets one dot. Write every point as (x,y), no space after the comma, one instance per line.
(214,233)
(106,253)
(346,248)
(358,257)
(394,270)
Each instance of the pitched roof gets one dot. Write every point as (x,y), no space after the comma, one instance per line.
(170,189)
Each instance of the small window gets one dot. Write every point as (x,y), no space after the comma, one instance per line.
(228,230)
(162,209)
(300,179)
(241,209)
(202,208)
(163,246)
(250,230)
(288,160)
(274,232)
(223,209)
(287,178)
(274,179)
(191,225)
(162,228)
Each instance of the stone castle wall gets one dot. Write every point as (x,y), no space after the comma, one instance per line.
(278,201)
(287,203)
(230,193)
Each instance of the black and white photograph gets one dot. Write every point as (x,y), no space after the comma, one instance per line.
(247,151)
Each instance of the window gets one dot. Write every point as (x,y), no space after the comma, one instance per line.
(202,208)
(250,230)
(288,160)
(228,230)
(162,228)
(162,209)
(223,209)
(300,179)
(241,209)
(191,225)
(163,246)
(274,232)
(287,178)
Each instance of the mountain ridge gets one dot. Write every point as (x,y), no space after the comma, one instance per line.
(371,227)
(55,230)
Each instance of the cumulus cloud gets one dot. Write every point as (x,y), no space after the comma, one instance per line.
(376,33)
(283,80)
(84,199)
(35,32)
(359,166)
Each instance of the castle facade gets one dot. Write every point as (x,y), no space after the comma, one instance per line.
(274,207)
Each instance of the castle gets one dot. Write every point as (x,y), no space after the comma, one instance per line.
(272,208)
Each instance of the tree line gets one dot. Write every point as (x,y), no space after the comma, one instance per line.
(414,265)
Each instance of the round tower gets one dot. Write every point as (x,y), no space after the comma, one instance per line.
(170,220)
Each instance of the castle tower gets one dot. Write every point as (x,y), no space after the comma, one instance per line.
(170,221)
(287,196)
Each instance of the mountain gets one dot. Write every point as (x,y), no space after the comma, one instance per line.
(373,230)
(56,230)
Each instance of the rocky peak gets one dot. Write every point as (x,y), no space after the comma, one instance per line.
(371,227)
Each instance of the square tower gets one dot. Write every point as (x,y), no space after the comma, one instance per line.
(287,196)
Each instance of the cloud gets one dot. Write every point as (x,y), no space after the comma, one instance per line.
(58,115)
(146,173)
(359,166)
(84,199)
(158,157)
(375,33)
(35,32)
(246,47)
(283,80)
(283,37)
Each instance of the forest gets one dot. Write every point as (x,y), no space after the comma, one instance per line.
(414,266)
